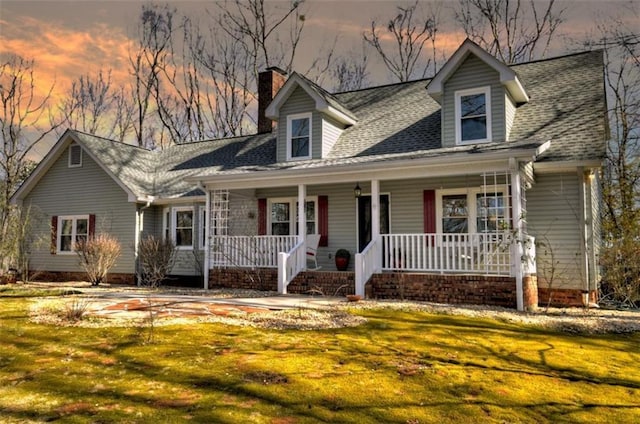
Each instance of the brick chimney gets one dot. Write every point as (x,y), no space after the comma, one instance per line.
(269,82)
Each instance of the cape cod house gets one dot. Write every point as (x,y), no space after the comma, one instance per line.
(479,185)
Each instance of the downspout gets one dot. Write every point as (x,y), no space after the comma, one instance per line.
(139,229)
(584,231)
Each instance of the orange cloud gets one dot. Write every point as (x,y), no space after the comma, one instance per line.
(63,54)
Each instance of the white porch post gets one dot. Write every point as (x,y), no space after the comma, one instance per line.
(302,219)
(375,222)
(207,236)
(517,250)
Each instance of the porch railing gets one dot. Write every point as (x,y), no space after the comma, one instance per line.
(366,265)
(249,251)
(486,253)
(290,263)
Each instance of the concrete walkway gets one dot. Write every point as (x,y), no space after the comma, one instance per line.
(280,302)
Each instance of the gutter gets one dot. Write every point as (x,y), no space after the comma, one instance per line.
(398,167)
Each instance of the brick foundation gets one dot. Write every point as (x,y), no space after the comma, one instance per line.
(264,279)
(470,289)
(565,297)
(530,291)
(334,283)
(63,276)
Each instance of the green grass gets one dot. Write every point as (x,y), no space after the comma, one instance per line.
(400,367)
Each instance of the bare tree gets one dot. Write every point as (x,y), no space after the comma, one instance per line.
(94,106)
(410,33)
(512,30)
(155,38)
(351,71)
(621,179)
(25,120)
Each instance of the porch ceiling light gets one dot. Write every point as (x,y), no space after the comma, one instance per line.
(357,191)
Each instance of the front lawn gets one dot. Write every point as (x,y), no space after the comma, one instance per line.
(399,367)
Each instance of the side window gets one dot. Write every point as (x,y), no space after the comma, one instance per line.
(299,136)
(473,115)
(184,227)
(455,214)
(72,230)
(280,218)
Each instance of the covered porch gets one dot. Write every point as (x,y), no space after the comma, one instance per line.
(469,225)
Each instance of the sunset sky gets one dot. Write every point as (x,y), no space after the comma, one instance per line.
(72,38)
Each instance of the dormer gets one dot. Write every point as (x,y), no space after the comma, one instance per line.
(478,95)
(310,120)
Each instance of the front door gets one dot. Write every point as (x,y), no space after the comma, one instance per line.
(364,219)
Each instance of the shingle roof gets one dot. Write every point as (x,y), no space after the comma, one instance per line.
(567,106)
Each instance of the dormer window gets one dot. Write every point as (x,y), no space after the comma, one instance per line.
(473,115)
(299,136)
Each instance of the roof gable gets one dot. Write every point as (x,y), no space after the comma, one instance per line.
(324,101)
(507,75)
(90,146)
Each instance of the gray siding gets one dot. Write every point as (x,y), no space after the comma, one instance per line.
(473,73)
(331,130)
(299,102)
(82,191)
(553,218)
(509,114)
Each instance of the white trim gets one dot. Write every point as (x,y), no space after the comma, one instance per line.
(293,211)
(299,116)
(508,77)
(486,90)
(472,206)
(321,105)
(70,163)
(170,226)
(202,228)
(74,229)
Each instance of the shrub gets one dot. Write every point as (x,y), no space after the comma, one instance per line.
(97,256)
(156,257)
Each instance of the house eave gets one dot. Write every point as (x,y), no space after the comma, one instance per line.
(438,166)
(565,166)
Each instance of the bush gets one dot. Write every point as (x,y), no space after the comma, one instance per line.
(97,256)
(156,257)
(621,271)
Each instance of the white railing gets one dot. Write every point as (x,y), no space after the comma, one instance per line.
(366,265)
(249,251)
(290,263)
(485,253)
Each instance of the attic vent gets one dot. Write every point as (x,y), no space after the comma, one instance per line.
(75,156)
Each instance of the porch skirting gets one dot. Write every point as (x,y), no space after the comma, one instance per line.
(440,288)
(470,289)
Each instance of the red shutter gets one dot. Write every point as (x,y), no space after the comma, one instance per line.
(323,220)
(262,217)
(92,226)
(429,209)
(54,235)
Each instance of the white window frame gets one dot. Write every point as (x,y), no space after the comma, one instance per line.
(290,120)
(71,164)
(458,113)
(293,212)
(74,228)
(171,226)
(472,206)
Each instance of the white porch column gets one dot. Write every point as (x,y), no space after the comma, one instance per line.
(517,249)
(375,222)
(302,219)
(207,237)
